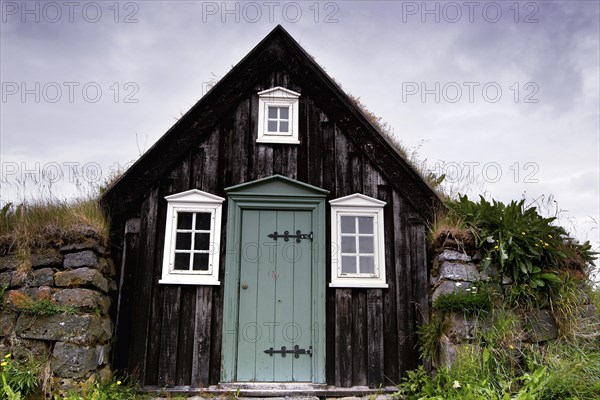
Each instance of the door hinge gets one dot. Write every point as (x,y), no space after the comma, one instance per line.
(286,236)
(296,351)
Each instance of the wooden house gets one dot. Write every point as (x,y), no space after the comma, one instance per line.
(273,234)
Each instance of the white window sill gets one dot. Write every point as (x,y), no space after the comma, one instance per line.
(351,284)
(187,280)
(276,140)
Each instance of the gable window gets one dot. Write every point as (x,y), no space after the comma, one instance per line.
(278,120)
(358,252)
(278,116)
(193,230)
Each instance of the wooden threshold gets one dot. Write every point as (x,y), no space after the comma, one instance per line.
(271,389)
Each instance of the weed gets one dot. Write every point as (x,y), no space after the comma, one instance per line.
(432,337)
(19,379)
(40,307)
(473,301)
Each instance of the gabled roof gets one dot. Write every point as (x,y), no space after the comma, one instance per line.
(276,185)
(277,49)
(357,199)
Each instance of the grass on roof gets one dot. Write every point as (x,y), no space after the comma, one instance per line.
(30,226)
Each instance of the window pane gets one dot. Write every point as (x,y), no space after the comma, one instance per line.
(365,244)
(203,221)
(365,224)
(202,241)
(200,262)
(367,265)
(284,113)
(348,265)
(184,220)
(283,126)
(348,244)
(182,261)
(272,126)
(273,112)
(347,224)
(183,241)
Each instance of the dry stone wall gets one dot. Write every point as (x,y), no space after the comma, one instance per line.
(56,309)
(458,269)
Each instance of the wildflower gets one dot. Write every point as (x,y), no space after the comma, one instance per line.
(118,383)
(537,245)
(496,247)
(523,233)
(546,244)
(4,363)
(510,346)
(550,236)
(8,355)
(456,384)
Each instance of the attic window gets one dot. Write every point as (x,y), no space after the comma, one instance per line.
(358,255)
(193,230)
(278,116)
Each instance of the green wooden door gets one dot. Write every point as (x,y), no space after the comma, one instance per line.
(274,297)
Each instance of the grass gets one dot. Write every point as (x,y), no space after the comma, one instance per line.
(39,307)
(470,302)
(31,226)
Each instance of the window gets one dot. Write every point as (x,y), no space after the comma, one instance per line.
(358,253)
(278,116)
(192,235)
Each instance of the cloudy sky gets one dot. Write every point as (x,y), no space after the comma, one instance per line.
(502,97)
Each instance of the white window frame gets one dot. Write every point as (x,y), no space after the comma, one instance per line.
(357,205)
(278,97)
(193,201)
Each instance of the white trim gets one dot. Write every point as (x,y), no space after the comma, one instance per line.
(278,97)
(195,201)
(357,205)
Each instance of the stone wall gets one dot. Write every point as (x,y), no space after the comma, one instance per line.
(456,268)
(72,335)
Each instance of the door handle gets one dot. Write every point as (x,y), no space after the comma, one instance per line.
(244,285)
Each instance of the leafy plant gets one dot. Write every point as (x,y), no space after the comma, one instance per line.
(19,379)
(431,337)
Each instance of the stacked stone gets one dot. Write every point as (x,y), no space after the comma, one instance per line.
(78,275)
(456,269)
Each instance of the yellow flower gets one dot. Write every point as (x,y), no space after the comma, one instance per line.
(496,247)
(4,363)
(118,383)
(550,236)
(537,245)
(510,346)
(8,355)
(523,233)
(546,244)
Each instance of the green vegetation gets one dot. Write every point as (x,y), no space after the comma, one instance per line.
(526,246)
(40,307)
(498,363)
(17,379)
(113,390)
(28,226)
(471,301)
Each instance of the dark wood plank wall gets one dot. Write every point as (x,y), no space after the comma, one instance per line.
(176,330)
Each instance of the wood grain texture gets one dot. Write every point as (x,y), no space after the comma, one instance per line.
(370,334)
